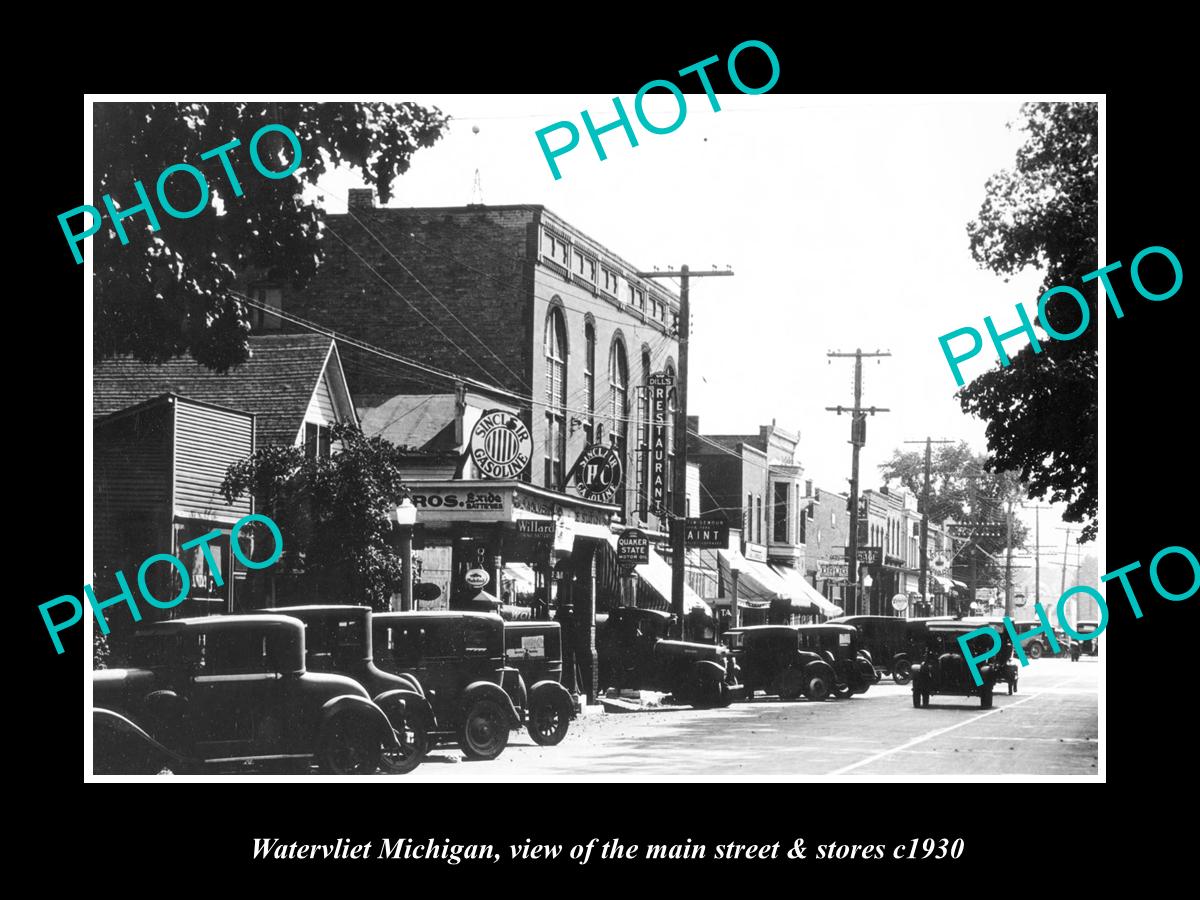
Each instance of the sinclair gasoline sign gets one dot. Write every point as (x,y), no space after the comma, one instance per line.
(501,445)
(660,387)
(598,473)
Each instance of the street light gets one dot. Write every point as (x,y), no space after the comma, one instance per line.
(406,518)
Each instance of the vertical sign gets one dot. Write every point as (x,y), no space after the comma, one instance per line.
(660,386)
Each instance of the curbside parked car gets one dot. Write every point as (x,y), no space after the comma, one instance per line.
(535,650)
(853,669)
(775,660)
(475,699)
(337,639)
(222,689)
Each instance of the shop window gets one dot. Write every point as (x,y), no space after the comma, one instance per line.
(203,578)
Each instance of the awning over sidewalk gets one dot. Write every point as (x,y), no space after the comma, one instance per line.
(656,575)
(949,584)
(758,582)
(801,590)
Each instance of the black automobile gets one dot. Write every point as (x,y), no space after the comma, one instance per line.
(337,639)
(776,659)
(942,669)
(700,675)
(474,698)
(853,670)
(625,646)
(535,650)
(220,690)
(887,640)
(1090,647)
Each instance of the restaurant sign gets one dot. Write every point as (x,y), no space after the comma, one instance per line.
(660,386)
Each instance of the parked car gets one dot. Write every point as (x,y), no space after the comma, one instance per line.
(231,689)
(886,640)
(337,639)
(853,669)
(535,650)
(474,698)
(776,659)
(700,675)
(942,669)
(625,646)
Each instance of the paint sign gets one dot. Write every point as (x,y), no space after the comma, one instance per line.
(660,388)
(501,445)
(706,533)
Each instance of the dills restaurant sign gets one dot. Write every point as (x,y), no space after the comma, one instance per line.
(660,386)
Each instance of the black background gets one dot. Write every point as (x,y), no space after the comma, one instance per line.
(1024,836)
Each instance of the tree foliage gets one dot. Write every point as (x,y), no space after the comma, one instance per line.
(333,513)
(953,496)
(1041,409)
(166,292)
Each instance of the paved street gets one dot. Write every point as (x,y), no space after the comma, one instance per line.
(1048,728)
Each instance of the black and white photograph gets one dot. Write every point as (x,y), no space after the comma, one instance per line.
(703,433)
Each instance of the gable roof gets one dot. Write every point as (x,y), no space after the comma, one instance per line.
(275,384)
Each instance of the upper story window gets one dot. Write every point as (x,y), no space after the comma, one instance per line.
(589,382)
(637,298)
(316,440)
(584,266)
(618,383)
(556,249)
(780,513)
(556,399)
(610,283)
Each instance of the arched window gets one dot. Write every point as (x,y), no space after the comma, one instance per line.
(589,382)
(618,384)
(556,399)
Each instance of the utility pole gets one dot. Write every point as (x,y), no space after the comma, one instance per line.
(858,437)
(1037,550)
(679,476)
(922,583)
(1066,556)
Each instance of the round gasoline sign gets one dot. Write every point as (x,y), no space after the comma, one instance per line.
(598,474)
(501,445)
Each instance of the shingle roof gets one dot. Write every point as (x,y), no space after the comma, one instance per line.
(275,384)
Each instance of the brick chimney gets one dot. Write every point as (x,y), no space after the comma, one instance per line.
(361,198)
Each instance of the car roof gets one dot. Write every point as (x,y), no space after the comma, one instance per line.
(762,629)
(963,627)
(216,623)
(828,627)
(331,608)
(425,614)
(850,620)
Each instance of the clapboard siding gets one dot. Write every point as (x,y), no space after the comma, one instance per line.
(320,407)
(207,442)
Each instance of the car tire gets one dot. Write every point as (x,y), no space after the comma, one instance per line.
(548,721)
(843,691)
(916,699)
(350,746)
(925,700)
(985,700)
(791,685)
(1012,689)
(816,688)
(483,733)
(901,676)
(1035,650)
(415,744)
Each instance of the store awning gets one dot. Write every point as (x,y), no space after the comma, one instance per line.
(656,575)
(799,587)
(757,581)
(591,531)
(949,584)
(522,575)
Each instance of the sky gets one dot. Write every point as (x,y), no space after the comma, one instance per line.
(843,218)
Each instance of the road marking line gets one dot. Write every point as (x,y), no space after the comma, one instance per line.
(937,732)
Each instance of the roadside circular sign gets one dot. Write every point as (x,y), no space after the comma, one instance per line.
(1019,600)
(900,602)
(598,474)
(477,578)
(939,562)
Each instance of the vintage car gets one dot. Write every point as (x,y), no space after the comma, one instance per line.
(625,646)
(942,669)
(1088,647)
(853,669)
(535,650)
(475,698)
(700,675)
(222,690)
(886,640)
(337,639)
(776,659)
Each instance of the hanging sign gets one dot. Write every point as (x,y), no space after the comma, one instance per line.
(598,473)
(939,563)
(633,548)
(833,570)
(477,578)
(660,386)
(501,445)
(705,534)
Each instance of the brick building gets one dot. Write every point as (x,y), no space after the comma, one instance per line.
(825,533)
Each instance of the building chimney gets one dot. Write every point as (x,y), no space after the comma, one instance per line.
(808,487)
(360,198)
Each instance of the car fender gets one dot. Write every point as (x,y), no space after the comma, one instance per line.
(412,681)
(394,706)
(115,736)
(553,692)
(481,690)
(417,707)
(351,705)
(820,667)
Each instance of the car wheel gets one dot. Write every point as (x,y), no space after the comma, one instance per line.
(916,699)
(817,688)
(985,700)
(484,732)
(901,675)
(1012,688)
(843,691)
(351,747)
(548,722)
(925,700)
(1035,650)
(414,744)
(791,684)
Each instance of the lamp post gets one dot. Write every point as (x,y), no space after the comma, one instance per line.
(867,581)
(406,519)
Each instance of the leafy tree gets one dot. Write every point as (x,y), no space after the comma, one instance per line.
(955,496)
(167,292)
(333,513)
(1041,409)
